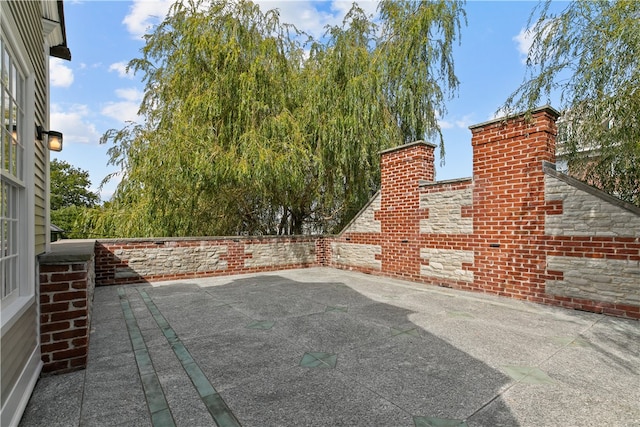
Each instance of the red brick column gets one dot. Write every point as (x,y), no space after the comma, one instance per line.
(402,168)
(509,202)
(66,292)
(323,251)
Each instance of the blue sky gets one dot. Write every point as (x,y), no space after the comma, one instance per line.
(92,93)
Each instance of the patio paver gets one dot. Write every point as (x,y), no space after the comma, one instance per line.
(325,347)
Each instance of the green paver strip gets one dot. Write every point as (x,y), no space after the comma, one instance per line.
(318,360)
(156,401)
(437,422)
(401,331)
(528,375)
(261,324)
(216,406)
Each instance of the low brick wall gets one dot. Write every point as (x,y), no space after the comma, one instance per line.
(122,261)
(67,282)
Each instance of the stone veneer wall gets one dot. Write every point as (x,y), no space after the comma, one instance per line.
(121,261)
(593,243)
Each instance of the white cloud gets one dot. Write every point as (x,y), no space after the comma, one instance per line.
(130,94)
(121,69)
(73,123)
(305,15)
(465,121)
(370,7)
(444,124)
(524,40)
(59,73)
(144,14)
(460,123)
(127,109)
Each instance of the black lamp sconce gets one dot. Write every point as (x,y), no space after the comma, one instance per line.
(54,138)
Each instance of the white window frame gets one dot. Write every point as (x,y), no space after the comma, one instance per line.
(25,293)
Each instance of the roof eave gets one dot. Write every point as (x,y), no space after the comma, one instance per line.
(61,50)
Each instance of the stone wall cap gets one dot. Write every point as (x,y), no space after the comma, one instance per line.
(425,183)
(409,145)
(549,109)
(69,250)
(162,240)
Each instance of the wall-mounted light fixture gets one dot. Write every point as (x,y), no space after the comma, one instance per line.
(54,138)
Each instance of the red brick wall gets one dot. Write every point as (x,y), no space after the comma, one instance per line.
(66,291)
(508,242)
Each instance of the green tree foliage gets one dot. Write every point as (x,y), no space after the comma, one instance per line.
(70,186)
(74,221)
(590,54)
(251,127)
(70,198)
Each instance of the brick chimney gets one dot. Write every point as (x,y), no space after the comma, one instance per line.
(509,203)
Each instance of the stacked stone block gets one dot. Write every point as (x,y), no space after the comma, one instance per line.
(446,231)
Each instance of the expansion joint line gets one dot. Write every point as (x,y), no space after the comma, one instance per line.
(216,406)
(156,400)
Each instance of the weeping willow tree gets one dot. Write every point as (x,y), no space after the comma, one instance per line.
(589,53)
(252,127)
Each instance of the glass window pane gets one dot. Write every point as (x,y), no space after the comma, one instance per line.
(5,67)
(12,156)
(5,152)
(13,75)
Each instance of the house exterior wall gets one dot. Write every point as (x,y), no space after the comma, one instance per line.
(21,364)
(18,346)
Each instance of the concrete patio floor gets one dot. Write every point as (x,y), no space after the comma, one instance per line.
(325,347)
